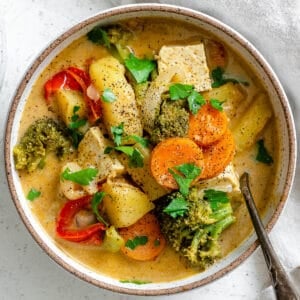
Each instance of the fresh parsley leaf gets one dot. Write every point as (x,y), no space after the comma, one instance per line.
(177,207)
(195,101)
(189,172)
(74,125)
(263,154)
(219,78)
(136,241)
(134,281)
(143,141)
(82,177)
(117,132)
(139,68)
(99,36)
(180,91)
(33,194)
(215,197)
(136,160)
(96,200)
(108,96)
(217,104)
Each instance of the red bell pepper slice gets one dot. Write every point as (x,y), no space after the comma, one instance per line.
(74,79)
(90,234)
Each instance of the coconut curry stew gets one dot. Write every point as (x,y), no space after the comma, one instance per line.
(140,131)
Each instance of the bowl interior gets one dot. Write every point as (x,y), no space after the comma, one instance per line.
(284,172)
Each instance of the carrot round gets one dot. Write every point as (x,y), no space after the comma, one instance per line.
(170,153)
(207,126)
(146,228)
(218,156)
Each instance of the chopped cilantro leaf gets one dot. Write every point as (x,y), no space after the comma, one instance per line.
(99,36)
(215,197)
(33,194)
(136,160)
(195,101)
(139,68)
(219,78)
(117,132)
(137,241)
(180,91)
(82,177)
(217,104)
(96,200)
(143,141)
(108,96)
(263,154)
(108,149)
(74,125)
(134,281)
(189,172)
(177,207)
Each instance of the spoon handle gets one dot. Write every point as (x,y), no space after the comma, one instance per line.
(281,282)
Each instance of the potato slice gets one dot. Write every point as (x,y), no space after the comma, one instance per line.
(252,122)
(124,203)
(108,72)
(66,101)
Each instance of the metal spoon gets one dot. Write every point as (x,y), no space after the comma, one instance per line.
(284,288)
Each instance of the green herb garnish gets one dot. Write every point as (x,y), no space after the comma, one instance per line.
(141,140)
(215,197)
(263,154)
(137,241)
(108,96)
(96,200)
(33,194)
(217,104)
(185,91)
(134,281)
(180,91)
(195,101)
(139,68)
(82,177)
(117,132)
(177,207)
(189,172)
(99,36)
(219,78)
(74,125)
(136,159)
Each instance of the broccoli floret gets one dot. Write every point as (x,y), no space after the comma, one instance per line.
(173,120)
(195,234)
(114,38)
(43,136)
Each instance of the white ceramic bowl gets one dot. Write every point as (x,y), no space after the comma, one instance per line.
(279,101)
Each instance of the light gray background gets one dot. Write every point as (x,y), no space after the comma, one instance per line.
(25,271)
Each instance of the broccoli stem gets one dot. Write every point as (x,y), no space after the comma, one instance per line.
(216,228)
(222,212)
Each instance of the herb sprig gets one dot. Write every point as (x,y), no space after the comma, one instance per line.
(139,240)
(74,126)
(219,78)
(33,194)
(263,154)
(96,200)
(82,177)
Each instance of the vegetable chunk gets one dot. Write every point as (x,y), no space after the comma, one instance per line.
(143,240)
(252,123)
(108,73)
(190,62)
(170,153)
(124,203)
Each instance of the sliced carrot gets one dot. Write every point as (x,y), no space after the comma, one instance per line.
(218,155)
(216,54)
(170,153)
(153,241)
(207,126)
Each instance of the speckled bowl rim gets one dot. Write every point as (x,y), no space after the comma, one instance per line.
(136,8)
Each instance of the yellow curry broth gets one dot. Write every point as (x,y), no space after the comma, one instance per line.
(148,39)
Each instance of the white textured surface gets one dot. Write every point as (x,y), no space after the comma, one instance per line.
(25,271)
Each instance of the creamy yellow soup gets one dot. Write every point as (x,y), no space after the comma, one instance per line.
(150,36)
